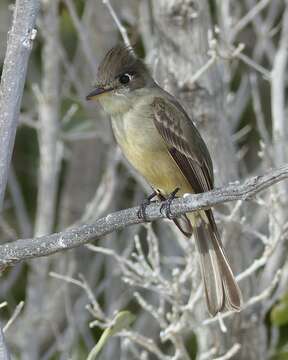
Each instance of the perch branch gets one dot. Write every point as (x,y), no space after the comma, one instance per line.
(19,250)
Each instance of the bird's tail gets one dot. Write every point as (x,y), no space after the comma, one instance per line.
(221,289)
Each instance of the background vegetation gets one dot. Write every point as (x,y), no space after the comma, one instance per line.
(226,61)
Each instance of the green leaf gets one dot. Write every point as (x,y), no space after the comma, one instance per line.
(121,321)
(280,356)
(279,313)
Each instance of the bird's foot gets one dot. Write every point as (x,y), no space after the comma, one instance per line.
(166,205)
(142,210)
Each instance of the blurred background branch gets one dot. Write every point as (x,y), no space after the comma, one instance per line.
(19,46)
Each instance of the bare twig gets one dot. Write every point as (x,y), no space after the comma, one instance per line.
(83,35)
(21,212)
(278,93)
(85,286)
(254,65)
(207,355)
(258,263)
(3,304)
(15,314)
(146,343)
(256,101)
(20,250)
(48,105)
(248,18)
(204,68)
(4,353)
(118,23)
(230,353)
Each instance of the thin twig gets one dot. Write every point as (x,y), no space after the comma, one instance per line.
(203,69)
(256,101)
(248,61)
(84,285)
(242,23)
(118,23)
(230,353)
(83,35)
(278,86)
(146,343)
(4,353)
(15,314)
(21,211)
(3,304)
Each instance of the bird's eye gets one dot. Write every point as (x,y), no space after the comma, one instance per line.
(125,78)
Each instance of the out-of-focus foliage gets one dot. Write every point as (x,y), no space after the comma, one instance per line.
(279,319)
(279,313)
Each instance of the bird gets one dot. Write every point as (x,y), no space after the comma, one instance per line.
(162,143)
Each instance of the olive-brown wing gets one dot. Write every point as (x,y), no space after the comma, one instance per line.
(184,143)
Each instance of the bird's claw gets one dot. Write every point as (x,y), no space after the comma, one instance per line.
(141,213)
(166,205)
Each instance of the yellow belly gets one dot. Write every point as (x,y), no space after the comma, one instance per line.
(158,168)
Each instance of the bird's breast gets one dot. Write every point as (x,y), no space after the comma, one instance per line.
(146,150)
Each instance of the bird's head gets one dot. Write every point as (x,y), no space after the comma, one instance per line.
(121,76)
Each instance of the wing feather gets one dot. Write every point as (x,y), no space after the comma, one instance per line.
(184,143)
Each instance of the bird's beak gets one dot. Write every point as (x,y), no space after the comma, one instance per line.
(98,91)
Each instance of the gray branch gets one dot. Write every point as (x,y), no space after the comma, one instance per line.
(13,77)
(4,353)
(23,249)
